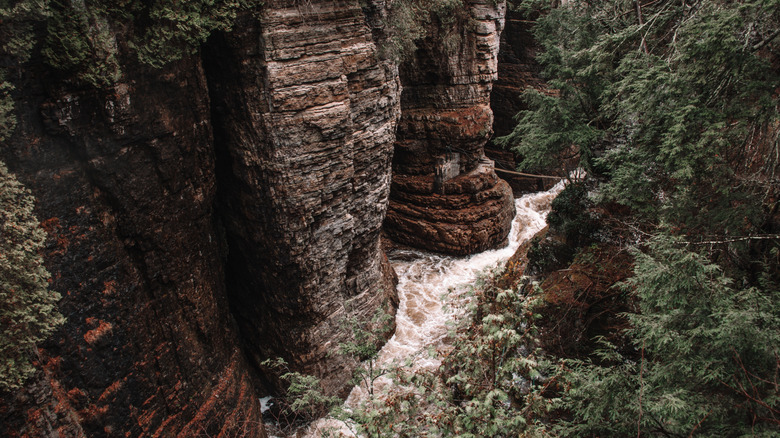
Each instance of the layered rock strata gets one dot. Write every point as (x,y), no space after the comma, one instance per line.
(446,116)
(306,115)
(199,214)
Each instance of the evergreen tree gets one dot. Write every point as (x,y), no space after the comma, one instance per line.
(661,101)
(708,357)
(673,107)
(28,311)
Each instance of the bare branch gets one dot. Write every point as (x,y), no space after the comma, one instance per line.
(766,40)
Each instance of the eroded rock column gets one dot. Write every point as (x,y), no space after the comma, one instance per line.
(445,123)
(305,115)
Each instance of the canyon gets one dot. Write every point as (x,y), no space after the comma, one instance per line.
(229,207)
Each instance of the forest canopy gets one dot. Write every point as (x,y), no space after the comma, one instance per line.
(672,107)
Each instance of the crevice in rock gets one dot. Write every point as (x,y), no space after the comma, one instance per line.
(245,291)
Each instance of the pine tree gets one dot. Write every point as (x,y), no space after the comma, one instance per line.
(707,361)
(660,101)
(668,103)
(28,311)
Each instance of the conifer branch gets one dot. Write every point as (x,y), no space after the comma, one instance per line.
(641,389)
(700,422)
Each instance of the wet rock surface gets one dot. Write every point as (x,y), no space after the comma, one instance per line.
(445,109)
(436,220)
(227,208)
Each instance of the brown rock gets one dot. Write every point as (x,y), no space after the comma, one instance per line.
(199,215)
(446,110)
(125,185)
(305,116)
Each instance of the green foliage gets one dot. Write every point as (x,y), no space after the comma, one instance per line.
(80,35)
(364,346)
(178,27)
(16,34)
(492,368)
(79,38)
(303,400)
(664,101)
(570,217)
(28,311)
(16,42)
(7,117)
(408,21)
(483,387)
(708,356)
(697,102)
(491,382)
(553,128)
(661,109)
(567,119)
(571,226)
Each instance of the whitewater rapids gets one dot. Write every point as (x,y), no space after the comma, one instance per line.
(432,291)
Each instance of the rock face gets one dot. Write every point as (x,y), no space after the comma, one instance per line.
(225,207)
(446,121)
(517,71)
(125,185)
(305,119)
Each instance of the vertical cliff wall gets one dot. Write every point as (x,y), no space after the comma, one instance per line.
(183,200)
(305,115)
(517,71)
(447,119)
(125,184)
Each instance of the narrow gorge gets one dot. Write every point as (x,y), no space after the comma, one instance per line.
(208,203)
(227,207)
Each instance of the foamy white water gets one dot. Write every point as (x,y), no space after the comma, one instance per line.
(432,287)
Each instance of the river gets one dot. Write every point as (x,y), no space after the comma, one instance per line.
(432,290)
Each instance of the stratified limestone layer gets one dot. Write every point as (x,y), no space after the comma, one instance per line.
(179,202)
(305,116)
(446,110)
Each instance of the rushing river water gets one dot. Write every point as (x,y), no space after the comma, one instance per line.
(432,291)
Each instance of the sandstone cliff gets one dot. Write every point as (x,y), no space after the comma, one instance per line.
(227,208)
(305,117)
(224,207)
(445,124)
